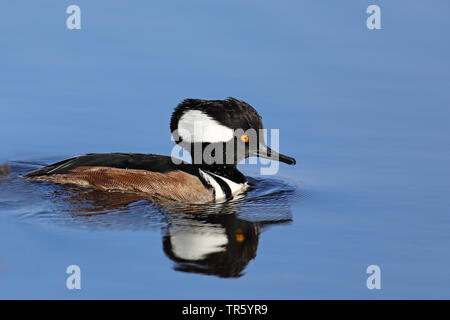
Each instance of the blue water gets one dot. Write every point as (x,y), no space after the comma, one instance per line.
(364,112)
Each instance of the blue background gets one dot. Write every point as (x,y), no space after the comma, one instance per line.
(364,112)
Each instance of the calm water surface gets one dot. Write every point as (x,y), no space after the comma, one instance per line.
(365,113)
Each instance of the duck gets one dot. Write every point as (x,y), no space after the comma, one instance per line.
(218,134)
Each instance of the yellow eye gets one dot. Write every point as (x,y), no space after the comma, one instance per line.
(244,138)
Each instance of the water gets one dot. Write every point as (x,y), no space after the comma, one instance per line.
(365,113)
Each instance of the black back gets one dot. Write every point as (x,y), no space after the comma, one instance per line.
(150,162)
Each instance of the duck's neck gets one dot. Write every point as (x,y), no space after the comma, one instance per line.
(226,180)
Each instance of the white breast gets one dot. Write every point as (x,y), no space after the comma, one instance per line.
(235,188)
(218,192)
(211,178)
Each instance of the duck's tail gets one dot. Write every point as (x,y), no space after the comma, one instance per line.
(4,170)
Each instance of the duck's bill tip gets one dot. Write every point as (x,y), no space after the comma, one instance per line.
(266,152)
(286,159)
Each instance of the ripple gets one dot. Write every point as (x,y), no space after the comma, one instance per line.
(216,239)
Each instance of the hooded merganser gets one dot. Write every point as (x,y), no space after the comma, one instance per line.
(217,133)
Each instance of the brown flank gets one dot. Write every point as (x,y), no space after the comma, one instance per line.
(175,185)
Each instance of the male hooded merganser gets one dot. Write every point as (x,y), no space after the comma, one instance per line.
(217,133)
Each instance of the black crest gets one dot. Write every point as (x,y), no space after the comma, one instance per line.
(231,112)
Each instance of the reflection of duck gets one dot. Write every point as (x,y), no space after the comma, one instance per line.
(220,244)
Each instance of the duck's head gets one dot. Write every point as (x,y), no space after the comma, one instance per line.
(221,131)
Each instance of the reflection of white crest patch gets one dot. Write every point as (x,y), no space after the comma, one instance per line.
(196,126)
(197,243)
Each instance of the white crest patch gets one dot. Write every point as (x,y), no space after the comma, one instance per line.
(196,126)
